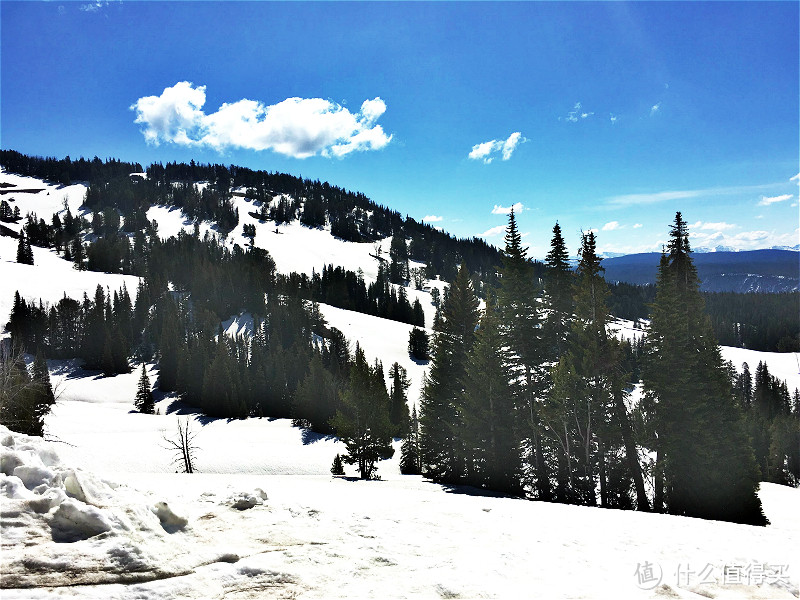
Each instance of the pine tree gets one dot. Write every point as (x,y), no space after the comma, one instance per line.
(24,251)
(363,423)
(398,410)
(337,468)
(409,450)
(704,455)
(489,436)
(522,330)
(418,344)
(442,394)
(144,402)
(558,285)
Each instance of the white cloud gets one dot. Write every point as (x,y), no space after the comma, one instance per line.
(795,178)
(511,144)
(720,226)
(92,6)
(767,200)
(611,226)
(655,108)
(484,150)
(613,118)
(493,231)
(577,114)
(432,218)
(504,210)
(625,200)
(296,127)
(638,226)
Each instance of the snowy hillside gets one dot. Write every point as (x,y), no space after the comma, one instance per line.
(99,512)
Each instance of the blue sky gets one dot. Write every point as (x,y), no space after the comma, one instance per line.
(609,116)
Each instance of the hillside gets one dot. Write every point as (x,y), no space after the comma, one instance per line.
(105,515)
(746,271)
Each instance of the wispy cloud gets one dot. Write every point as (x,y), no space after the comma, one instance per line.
(485,150)
(493,231)
(638,226)
(767,200)
(576,114)
(720,226)
(625,200)
(92,6)
(504,210)
(296,127)
(432,218)
(655,108)
(611,226)
(613,118)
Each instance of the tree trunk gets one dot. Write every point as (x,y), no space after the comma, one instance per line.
(631,454)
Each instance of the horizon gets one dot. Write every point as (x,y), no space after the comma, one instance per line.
(602,116)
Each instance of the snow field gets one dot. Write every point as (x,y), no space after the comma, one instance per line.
(324,537)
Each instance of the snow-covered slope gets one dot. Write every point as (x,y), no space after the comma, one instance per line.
(323,537)
(49,278)
(119,532)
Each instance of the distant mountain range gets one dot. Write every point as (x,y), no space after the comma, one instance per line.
(774,270)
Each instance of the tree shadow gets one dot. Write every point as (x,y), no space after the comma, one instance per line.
(312,437)
(469,490)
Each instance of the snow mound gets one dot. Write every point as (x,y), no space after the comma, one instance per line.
(245,500)
(61,525)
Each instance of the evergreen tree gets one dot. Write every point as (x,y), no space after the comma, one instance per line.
(418,344)
(144,402)
(24,251)
(337,468)
(316,399)
(409,450)
(522,330)
(558,285)
(442,393)
(489,436)
(363,421)
(398,410)
(704,455)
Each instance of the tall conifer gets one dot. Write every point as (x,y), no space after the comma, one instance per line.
(703,450)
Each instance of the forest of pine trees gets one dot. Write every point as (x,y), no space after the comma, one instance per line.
(528,396)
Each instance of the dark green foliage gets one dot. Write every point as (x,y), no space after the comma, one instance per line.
(398,410)
(410,459)
(489,437)
(362,423)
(317,397)
(143,401)
(773,423)
(558,286)
(704,454)
(419,344)
(519,311)
(337,468)
(24,251)
(442,394)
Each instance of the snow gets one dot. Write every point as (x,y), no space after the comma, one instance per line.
(45,199)
(380,339)
(49,278)
(328,537)
(98,511)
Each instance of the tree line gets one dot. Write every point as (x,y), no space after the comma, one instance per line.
(532,398)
